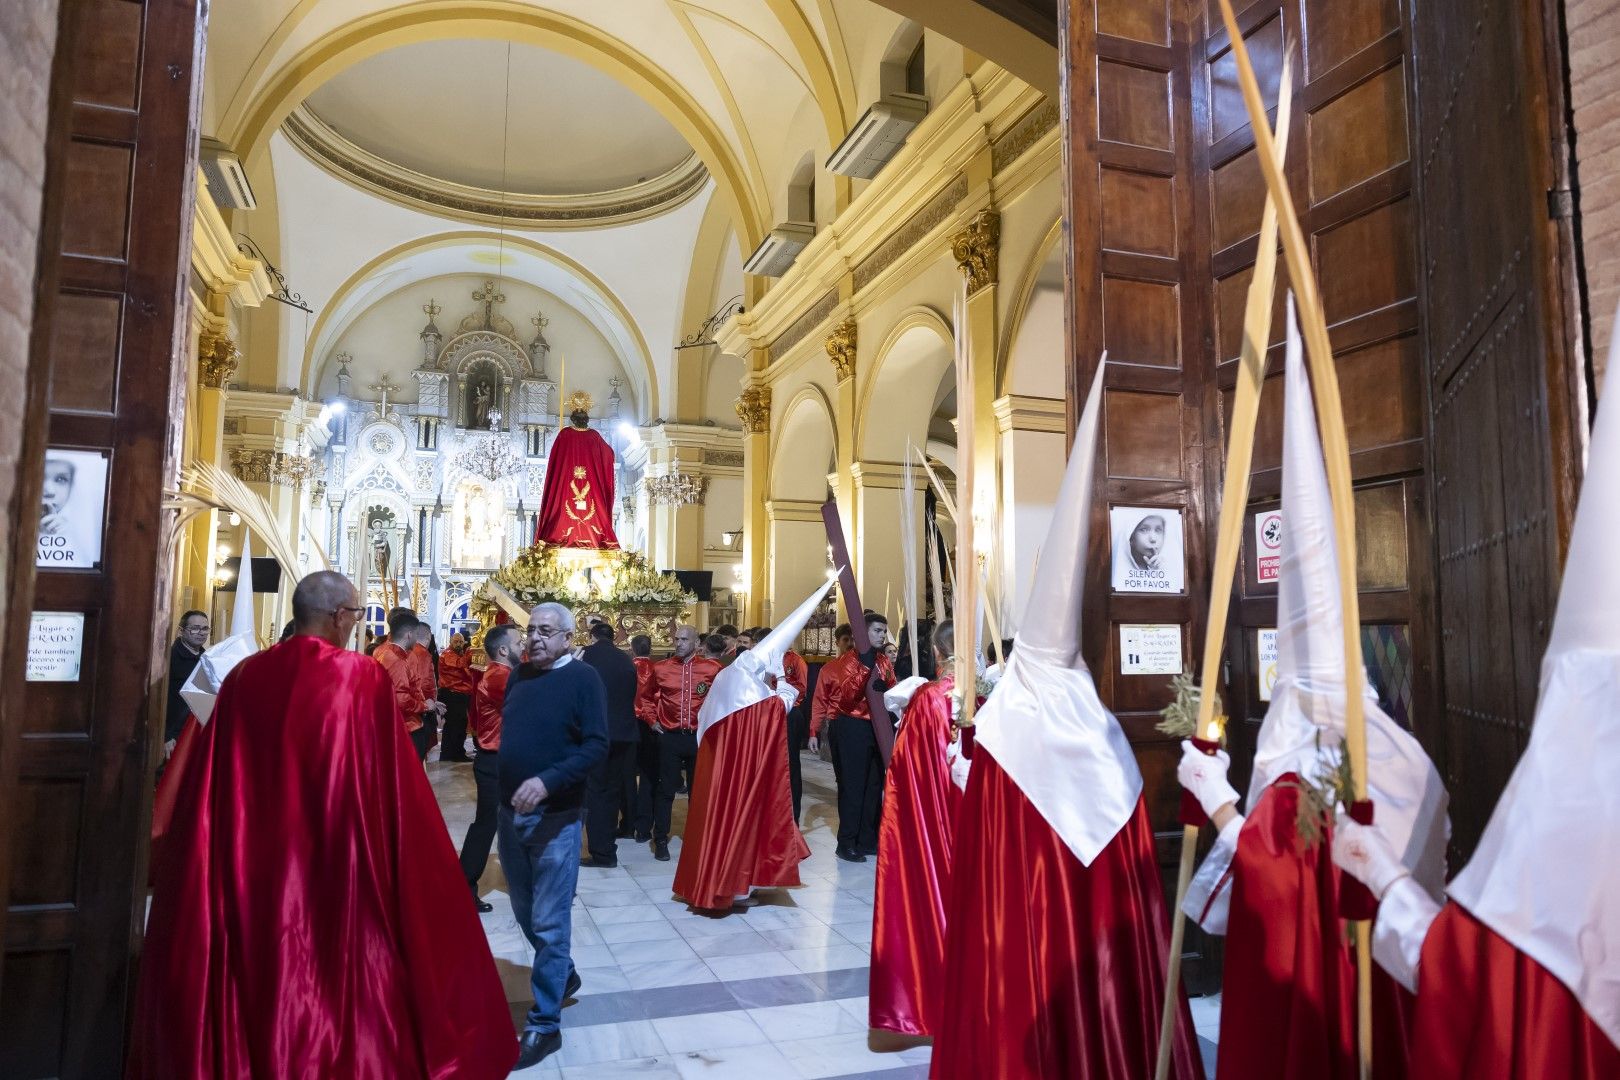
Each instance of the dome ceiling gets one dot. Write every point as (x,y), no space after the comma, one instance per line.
(437,108)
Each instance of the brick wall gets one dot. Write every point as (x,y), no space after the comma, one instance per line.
(27,44)
(1593,29)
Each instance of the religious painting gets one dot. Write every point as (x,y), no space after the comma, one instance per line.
(476,536)
(481,397)
(72,505)
(1149,550)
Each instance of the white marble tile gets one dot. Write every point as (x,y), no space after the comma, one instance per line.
(548,1067)
(596,900)
(584,935)
(609,1042)
(638,931)
(785,1023)
(858,931)
(610,916)
(833,958)
(591,956)
(601,980)
(757,966)
(709,1031)
(860,1008)
(773,918)
(693,927)
(818,936)
(647,952)
(1206,1014)
(666,973)
(749,944)
(836,1055)
(661,1067)
(758,1062)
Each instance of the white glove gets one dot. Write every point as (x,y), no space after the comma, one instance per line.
(1362,852)
(1205,776)
(789,696)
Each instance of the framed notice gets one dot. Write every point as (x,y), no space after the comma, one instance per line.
(55,645)
(1149,551)
(72,508)
(1150,649)
(1266,647)
(1268,529)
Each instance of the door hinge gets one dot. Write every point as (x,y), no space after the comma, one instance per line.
(1560,204)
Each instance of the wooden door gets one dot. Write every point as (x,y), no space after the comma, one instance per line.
(128,75)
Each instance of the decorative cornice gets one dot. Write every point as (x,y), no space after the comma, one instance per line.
(754,409)
(1018,412)
(932,214)
(260,466)
(337,155)
(1017,140)
(677,489)
(725,459)
(976,250)
(841,349)
(813,317)
(217,359)
(252,465)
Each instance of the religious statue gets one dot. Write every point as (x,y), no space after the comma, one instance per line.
(576,507)
(382,554)
(481,406)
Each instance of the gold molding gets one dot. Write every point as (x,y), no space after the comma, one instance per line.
(352,163)
(1019,139)
(217,359)
(841,349)
(754,410)
(976,250)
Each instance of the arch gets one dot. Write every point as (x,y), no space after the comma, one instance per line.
(249,130)
(1040,274)
(806,434)
(352,298)
(898,398)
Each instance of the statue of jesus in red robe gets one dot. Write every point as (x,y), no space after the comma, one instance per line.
(576,507)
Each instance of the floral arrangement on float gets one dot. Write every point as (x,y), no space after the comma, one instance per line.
(619,586)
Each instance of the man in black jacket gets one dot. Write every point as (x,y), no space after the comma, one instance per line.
(184,655)
(605,798)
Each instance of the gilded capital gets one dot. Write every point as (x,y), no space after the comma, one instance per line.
(976,249)
(217,357)
(841,349)
(754,409)
(254,466)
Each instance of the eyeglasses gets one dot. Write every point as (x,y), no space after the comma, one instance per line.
(544,631)
(356,610)
(195,629)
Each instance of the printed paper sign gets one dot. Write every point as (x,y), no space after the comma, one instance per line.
(1150,649)
(1268,545)
(1267,648)
(1149,553)
(71,509)
(55,644)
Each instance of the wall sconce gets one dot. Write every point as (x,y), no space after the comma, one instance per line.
(731,538)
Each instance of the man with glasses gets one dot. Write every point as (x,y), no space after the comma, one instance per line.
(299,888)
(553,734)
(184,655)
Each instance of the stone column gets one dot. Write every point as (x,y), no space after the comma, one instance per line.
(976,251)
(842,351)
(217,360)
(1032,432)
(754,410)
(876,544)
(798,546)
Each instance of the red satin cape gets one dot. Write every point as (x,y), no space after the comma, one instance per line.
(1288,1007)
(310,918)
(740,831)
(914,864)
(1486,1011)
(1053,970)
(561,521)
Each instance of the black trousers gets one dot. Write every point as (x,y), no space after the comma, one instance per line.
(604,792)
(859,769)
(646,781)
(677,751)
(798,731)
(422,737)
(481,833)
(453,746)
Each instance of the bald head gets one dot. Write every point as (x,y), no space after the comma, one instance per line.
(325,605)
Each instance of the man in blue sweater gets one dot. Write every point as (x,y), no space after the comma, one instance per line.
(553,733)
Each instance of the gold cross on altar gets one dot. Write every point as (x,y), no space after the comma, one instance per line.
(490,298)
(384,387)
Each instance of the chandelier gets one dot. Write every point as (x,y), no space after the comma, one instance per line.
(491,457)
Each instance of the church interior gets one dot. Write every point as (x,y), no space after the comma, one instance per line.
(384,261)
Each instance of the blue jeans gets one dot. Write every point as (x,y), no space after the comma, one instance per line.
(541,863)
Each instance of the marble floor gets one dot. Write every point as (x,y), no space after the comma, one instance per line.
(776,992)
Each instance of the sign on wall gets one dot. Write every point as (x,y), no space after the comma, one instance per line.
(1150,649)
(1266,647)
(55,645)
(1268,529)
(72,507)
(1149,552)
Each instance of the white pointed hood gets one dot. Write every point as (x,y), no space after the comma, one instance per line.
(242,610)
(1045,725)
(202,687)
(1546,875)
(745,682)
(1305,725)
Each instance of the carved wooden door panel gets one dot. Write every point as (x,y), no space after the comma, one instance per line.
(128,74)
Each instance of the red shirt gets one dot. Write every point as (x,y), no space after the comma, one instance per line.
(841,689)
(455,671)
(487,700)
(796,671)
(644,666)
(407,689)
(674,692)
(422,670)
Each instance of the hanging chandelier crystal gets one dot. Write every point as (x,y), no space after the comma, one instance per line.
(492,457)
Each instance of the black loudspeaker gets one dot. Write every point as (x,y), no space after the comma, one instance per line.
(266,575)
(696,581)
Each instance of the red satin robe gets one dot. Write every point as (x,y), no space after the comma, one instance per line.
(1288,1007)
(740,832)
(305,923)
(914,864)
(576,505)
(1053,970)
(1486,1011)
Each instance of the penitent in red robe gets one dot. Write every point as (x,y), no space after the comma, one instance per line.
(1486,1011)
(914,864)
(304,922)
(740,831)
(1288,1006)
(576,505)
(1066,962)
